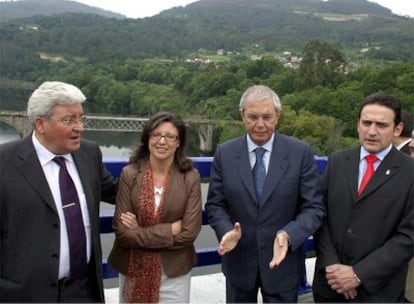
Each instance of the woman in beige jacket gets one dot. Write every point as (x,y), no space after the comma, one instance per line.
(157,216)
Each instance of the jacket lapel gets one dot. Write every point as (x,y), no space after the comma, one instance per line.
(82,162)
(384,172)
(28,165)
(174,184)
(243,167)
(352,171)
(278,164)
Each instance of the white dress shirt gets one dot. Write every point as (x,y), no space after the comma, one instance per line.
(51,171)
(251,146)
(363,164)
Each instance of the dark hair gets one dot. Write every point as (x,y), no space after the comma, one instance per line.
(407,120)
(385,100)
(183,163)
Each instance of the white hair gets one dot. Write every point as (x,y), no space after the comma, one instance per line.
(48,95)
(260,93)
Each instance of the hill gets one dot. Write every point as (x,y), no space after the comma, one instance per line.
(11,10)
(288,24)
(231,25)
(140,66)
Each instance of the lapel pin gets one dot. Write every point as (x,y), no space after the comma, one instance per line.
(388,172)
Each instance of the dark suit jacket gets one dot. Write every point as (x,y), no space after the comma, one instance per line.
(183,202)
(373,232)
(29,240)
(406,148)
(292,201)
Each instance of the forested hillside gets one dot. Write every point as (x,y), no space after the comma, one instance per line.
(10,10)
(232,25)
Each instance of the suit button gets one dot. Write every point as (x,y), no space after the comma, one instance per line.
(55,226)
(349,230)
(55,255)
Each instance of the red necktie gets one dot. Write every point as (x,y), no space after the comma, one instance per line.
(369,172)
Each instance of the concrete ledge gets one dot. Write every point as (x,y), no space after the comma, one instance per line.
(211,288)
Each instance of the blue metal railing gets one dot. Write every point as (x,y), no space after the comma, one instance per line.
(205,256)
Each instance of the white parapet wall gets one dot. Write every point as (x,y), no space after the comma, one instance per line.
(210,288)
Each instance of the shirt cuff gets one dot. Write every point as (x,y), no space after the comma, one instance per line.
(285,233)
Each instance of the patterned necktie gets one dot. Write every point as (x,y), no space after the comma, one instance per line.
(259,173)
(369,172)
(74,223)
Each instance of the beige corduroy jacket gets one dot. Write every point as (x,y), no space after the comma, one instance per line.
(183,202)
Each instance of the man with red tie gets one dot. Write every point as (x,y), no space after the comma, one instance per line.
(366,241)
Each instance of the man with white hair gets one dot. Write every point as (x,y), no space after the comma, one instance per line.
(51,185)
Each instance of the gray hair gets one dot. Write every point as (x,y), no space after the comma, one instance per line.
(260,93)
(48,95)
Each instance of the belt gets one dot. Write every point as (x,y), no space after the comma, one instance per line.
(62,283)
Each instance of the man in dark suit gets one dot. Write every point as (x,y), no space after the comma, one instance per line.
(402,142)
(366,240)
(262,222)
(409,285)
(36,262)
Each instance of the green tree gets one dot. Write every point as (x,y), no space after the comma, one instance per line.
(323,133)
(263,67)
(94,92)
(156,73)
(117,97)
(282,82)
(322,64)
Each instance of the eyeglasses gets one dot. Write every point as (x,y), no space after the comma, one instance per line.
(167,137)
(69,120)
(255,118)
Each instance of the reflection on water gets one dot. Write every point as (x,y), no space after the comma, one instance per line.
(8,137)
(7,133)
(116,139)
(113,144)
(112,152)
(107,151)
(120,144)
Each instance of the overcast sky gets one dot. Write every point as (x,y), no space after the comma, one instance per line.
(146,8)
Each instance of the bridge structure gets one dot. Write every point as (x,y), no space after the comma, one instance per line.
(204,128)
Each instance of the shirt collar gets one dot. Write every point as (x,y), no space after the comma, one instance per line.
(381,155)
(251,146)
(403,143)
(44,155)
